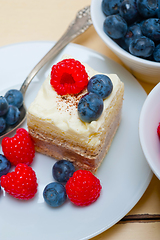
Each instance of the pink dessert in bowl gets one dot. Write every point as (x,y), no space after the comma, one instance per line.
(148,124)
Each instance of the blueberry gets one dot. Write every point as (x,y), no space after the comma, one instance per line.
(121,43)
(3,106)
(133,32)
(147,8)
(158,10)
(14,97)
(12,115)
(151,28)
(156,53)
(90,107)
(62,170)
(115,26)
(142,47)
(128,11)
(54,194)
(110,7)
(5,165)
(2,124)
(101,85)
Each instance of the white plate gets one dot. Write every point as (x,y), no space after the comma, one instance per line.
(124,174)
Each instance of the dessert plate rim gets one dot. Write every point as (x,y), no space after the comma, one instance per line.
(124,173)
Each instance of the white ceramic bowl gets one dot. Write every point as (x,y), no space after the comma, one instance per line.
(149,121)
(142,69)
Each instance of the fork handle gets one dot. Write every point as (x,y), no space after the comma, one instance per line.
(77,27)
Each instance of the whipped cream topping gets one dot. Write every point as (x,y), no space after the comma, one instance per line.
(61,111)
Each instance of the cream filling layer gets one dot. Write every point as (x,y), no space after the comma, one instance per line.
(49,107)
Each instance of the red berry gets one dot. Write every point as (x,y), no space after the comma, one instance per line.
(158,130)
(22,183)
(20,148)
(68,77)
(83,188)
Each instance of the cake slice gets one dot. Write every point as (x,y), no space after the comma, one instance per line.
(57,131)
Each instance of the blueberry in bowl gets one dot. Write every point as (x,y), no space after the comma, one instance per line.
(156,53)
(111,7)
(143,67)
(147,8)
(142,47)
(134,31)
(128,11)
(115,26)
(151,29)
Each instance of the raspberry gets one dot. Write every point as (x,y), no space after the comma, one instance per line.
(83,188)
(22,183)
(20,148)
(68,77)
(158,130)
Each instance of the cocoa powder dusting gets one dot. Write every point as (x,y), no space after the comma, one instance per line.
(69,102)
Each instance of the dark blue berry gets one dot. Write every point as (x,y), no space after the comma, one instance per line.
(101,85)
(147,8)
(128,11)
(133,32)
(156,53)
(158,9)
(3,106)
(121,43)
(12,115)
(115,26)
(62,170)
(54,194)
(5,165)
(90,107)
(2,124)
(110,7)
(142,47)
(151,28)
(14,97)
